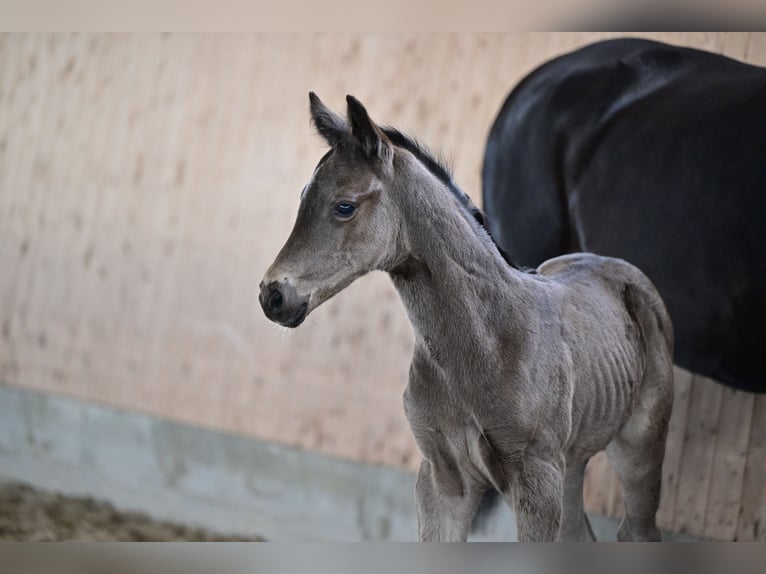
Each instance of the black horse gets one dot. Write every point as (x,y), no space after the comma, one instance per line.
(656,154)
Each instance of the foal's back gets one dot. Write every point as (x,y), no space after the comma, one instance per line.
(595,285)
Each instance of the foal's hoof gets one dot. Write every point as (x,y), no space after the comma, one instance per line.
(629,533)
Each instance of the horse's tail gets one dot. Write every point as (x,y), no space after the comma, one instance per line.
(487,508)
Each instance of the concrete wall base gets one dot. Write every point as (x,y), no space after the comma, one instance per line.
(225,483)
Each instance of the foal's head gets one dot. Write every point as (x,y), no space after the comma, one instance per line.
(347,223)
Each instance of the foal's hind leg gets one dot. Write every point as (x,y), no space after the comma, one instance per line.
(575,526)
(639,467)
(636,453)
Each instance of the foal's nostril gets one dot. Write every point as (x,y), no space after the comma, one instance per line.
(282,304)
(275,299)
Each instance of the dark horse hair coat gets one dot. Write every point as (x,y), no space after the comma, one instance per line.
(655,154)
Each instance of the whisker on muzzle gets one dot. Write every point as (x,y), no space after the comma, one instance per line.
(285,333)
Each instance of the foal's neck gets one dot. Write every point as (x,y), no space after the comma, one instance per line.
(452,279)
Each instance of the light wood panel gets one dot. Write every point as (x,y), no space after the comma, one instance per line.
(147,181)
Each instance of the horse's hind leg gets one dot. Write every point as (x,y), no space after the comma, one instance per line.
(639,467)
(636,453)
(575,526)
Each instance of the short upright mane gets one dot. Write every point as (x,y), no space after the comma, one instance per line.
(439,168)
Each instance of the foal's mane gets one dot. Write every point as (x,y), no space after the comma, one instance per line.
(438,167)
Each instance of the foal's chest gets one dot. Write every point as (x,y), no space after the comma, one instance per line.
(450,425)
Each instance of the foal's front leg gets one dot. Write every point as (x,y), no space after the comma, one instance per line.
(446,506)
(537,499)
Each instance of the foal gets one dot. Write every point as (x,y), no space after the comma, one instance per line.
(517,378)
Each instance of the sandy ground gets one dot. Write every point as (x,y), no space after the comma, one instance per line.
(28,514)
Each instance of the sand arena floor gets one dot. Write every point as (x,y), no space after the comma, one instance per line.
(28,514)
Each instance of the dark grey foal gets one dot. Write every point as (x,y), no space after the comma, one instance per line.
(517,378)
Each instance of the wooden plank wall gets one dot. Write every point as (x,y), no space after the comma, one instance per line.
(147,181)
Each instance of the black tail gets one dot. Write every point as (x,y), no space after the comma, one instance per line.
(489,504)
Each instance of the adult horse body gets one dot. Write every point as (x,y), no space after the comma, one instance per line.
(655,154)
(516,378)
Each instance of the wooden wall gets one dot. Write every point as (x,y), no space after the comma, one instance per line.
(146,182)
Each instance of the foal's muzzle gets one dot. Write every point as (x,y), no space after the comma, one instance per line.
(282,304)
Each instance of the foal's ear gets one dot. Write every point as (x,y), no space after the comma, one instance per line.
(374,142)
(330,125)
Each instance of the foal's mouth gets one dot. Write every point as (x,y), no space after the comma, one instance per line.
(296,319)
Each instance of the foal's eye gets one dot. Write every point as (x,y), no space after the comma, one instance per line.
(344,210)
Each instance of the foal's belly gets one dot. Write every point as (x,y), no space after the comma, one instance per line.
(603,399)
